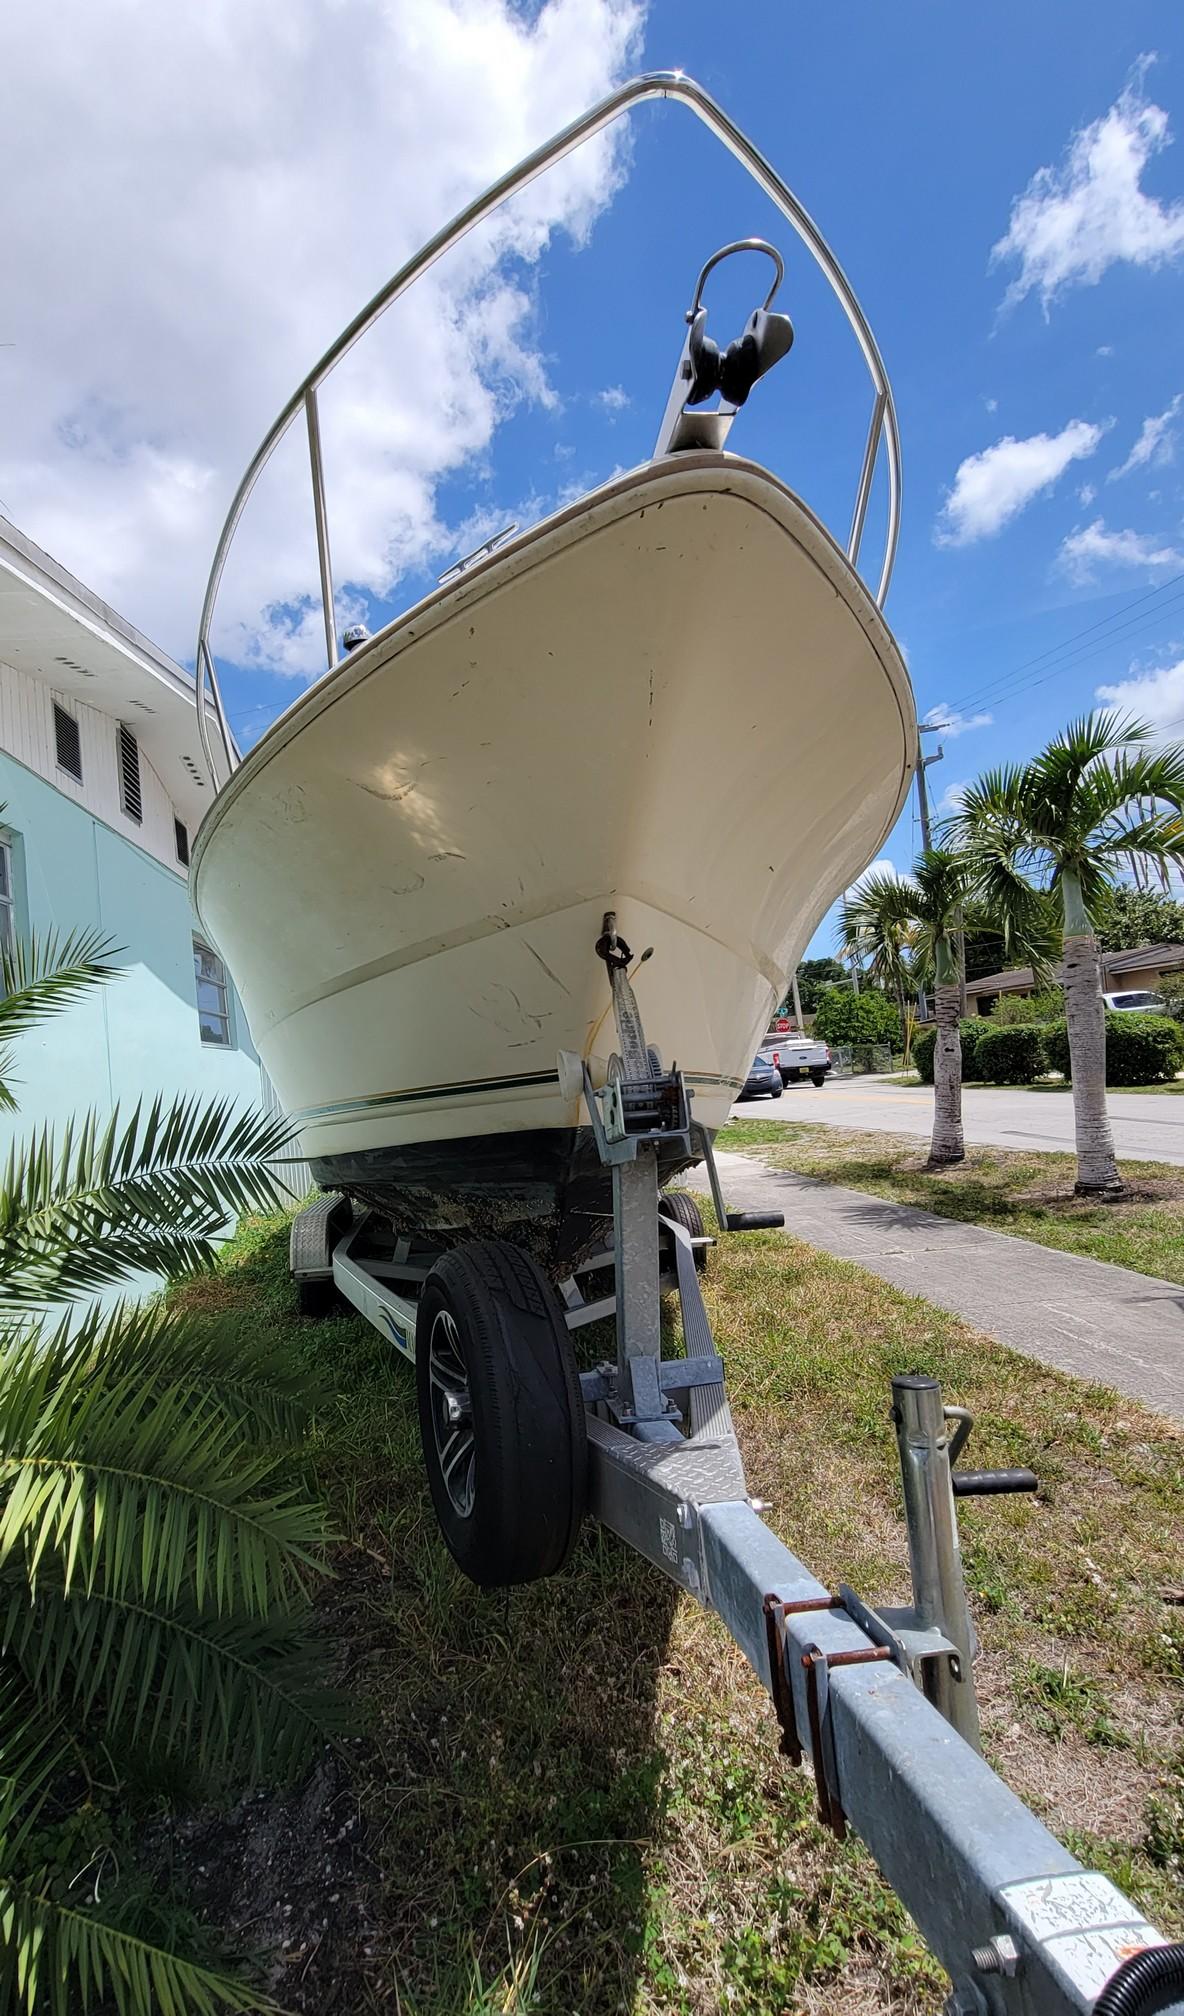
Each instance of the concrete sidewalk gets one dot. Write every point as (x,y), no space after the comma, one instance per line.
(1083,1316)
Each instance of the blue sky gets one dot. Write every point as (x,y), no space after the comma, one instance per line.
(910,133)
(916,134)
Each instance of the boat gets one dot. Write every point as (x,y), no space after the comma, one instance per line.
(409,875)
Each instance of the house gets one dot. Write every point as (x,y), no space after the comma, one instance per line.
(1144,967)
(102,791)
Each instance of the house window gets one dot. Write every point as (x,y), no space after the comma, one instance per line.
(7,908)
(68,743)
(213,996)
(181,836)
(130,796)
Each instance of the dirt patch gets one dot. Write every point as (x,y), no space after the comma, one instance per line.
(1159,1190)
(284,1877)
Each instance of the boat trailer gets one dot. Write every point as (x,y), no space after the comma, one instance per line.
(881,1702)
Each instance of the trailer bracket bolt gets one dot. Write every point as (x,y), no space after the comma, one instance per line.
(1000,1955)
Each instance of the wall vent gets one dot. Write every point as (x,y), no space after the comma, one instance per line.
(130,796)
(181,834)
(68,742)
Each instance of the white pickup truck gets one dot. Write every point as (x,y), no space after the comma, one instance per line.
(796,1056)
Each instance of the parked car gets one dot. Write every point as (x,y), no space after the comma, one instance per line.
(796,1057)
(1136,1001)
(763,1078)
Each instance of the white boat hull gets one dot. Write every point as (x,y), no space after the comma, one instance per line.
(676,701)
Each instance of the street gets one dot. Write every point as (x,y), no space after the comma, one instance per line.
(1147,1126)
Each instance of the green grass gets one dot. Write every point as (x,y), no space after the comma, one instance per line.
(1040,1085)
(572,1794)
(1026,1194)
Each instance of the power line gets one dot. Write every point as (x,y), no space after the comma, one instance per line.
(977,694)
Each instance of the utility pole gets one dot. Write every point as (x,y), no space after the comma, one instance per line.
(923,762)
(797,1004)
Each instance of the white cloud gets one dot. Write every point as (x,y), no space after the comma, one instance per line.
(238,179)
(950,801)
(992,405)
(1155,696)
(1156,443)
(954,724)
(1086,494)
(990,488)
(1104,350)
(875,868)
(614,399)
(1073,222)
(1091,546)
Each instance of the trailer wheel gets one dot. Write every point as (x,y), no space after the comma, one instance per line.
(501,1414)
(684,1211)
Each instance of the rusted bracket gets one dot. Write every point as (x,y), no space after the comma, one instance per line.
(817,1665)
(780,1684)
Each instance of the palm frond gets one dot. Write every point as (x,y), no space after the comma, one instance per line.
(266,1394)
(152,1193)
(142,1487)
(59,1958)
(237,1695)
(46,974)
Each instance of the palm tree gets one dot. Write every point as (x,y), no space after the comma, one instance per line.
(157,1547)
(1096,801)
(874,936)
(921,911)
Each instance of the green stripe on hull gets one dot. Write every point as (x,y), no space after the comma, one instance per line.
(471,1088)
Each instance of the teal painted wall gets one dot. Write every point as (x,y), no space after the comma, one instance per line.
(138,1035)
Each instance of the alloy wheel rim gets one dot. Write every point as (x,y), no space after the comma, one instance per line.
(452,1413)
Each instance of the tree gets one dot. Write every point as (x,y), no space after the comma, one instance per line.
(1097,801)
(1133,917)
(843,1016)
(813,976)
(928,906)
(156,1544)
(872,932)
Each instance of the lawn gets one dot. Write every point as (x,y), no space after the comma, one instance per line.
(1039,1084)
(1026,1194)
(570,1799)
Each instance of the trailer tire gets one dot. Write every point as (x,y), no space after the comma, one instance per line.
(684,1211)
(494,1364)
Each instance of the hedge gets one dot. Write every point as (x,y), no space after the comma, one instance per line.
(973,1027)
(1012,1055)
(842,1016)
(1140,1049)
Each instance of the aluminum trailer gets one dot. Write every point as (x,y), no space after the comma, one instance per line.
(880,1702)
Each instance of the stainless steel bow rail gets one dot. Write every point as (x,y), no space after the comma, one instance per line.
(666,84)
(880,1701)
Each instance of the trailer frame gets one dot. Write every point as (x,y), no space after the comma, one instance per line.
(879,1702)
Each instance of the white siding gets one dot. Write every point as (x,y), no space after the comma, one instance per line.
(27,732)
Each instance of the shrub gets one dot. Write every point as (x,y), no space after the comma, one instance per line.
(973,1028)
(843,1016)
(1140,1049)
(1171,988)
(1030,1010)
(1012,1056)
